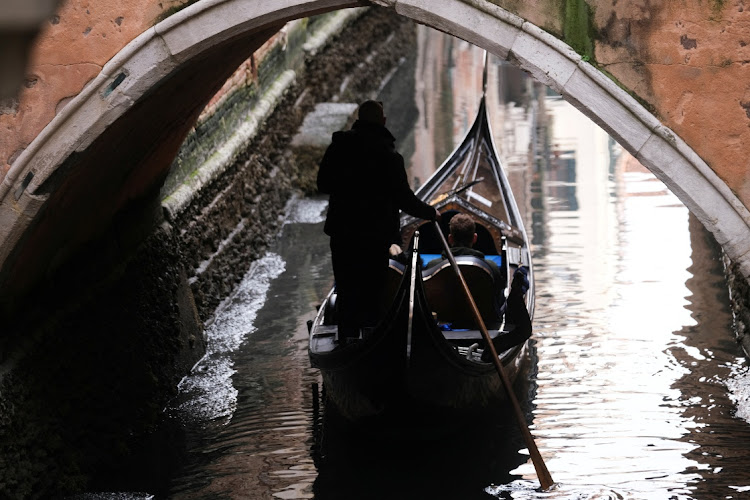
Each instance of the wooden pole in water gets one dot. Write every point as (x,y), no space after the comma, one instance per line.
(545,478)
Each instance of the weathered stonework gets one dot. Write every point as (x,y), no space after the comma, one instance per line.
(685,63)
(626,50)
(94,361)
(314,136)
(240,209)
(739,295)
(671,56)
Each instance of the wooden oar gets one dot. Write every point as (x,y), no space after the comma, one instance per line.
(545,479)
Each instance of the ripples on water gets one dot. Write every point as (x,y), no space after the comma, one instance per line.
(208,394)
(739,390)
(634,350)
(248,406)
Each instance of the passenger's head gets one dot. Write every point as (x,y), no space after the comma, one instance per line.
(463,231)
(371,111)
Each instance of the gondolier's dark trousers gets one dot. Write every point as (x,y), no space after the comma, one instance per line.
(360,267)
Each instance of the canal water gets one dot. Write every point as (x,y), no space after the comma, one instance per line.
(637,389)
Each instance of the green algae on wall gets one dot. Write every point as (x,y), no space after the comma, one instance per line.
(572,21)
(578,30)
(214,129)
(547,14)
(717,6)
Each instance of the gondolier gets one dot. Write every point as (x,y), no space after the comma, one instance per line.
(366,180)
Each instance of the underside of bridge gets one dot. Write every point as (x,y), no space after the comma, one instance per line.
(108,191)
(97,281)
(80,210)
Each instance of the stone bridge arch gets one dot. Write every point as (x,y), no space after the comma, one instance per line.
(67,186)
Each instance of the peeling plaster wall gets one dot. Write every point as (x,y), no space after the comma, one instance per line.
(73,46)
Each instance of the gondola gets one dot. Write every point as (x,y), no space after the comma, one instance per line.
(426,355)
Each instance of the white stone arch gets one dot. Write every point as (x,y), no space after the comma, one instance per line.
(188,33)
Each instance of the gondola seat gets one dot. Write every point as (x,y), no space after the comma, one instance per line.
(446,297)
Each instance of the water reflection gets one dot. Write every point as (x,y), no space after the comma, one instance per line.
(604,374)
(261,447)
(633,328)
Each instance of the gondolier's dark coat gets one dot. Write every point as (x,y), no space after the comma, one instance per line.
(366,180)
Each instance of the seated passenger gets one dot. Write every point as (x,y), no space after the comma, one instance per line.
(486,283)
(462,238)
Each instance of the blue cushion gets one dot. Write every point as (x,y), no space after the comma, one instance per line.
(497,259)
(427,257)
